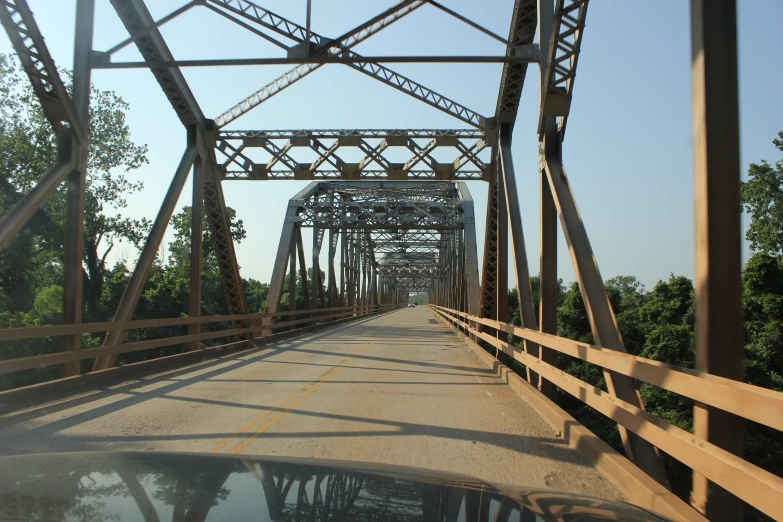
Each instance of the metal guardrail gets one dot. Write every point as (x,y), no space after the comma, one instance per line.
(37,361)
(757,487)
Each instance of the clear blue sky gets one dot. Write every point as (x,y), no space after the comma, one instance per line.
(627,152)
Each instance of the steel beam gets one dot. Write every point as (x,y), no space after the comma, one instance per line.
(719,335)
(105,55)
(196,248)
(249,27)
(132,293)
(599,311)
(141,27)
(26,39)
(292,279)
(303,269)
(267,19)
(471,255)
(488,304)
(326,59)
(317,287)
(287,162)
(548,282)
(299,72)
(420,92)
(512,80)
(527,311)
(469,22)
(563,55)
(501,279)
(359,29)
(220,227)
(73,255)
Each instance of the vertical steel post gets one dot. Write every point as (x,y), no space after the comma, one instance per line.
(316,267)
(331,275)
(307,24)
(223,244)
(719,336)
(502,263)
(548,285)
(494,281)
(76,182)
(196,235)
(527,312)
(343,261)
(303,269)
(292,281)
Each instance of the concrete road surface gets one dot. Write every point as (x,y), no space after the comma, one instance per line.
(399,388)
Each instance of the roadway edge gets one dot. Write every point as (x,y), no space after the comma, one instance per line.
(635,485)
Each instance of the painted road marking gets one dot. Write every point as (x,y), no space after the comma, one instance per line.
(306,389)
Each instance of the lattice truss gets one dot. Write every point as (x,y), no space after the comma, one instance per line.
(331,154)
(408,231)
(354,154)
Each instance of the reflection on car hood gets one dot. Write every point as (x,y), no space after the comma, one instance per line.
(150,486)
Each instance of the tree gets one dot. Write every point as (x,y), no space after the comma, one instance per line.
(179,249)
(762,198)
(33,261)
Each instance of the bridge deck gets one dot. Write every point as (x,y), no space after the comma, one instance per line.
(394,389)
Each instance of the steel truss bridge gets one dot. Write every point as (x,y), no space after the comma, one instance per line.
(397,219)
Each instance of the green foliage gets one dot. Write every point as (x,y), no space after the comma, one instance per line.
(33,260)
(419,299)
(659,325)
(762,198)
(31,276)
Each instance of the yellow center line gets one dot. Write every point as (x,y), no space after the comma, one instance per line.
(317,381)
(294,404)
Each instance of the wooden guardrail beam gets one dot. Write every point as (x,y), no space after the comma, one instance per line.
(10,334)
(757,487)
(24,363)
(751,402)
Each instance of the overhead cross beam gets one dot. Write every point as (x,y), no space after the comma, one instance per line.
(294,32)
(267,19)
(240,152)
(341,47)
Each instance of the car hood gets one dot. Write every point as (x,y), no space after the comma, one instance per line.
(153,486)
